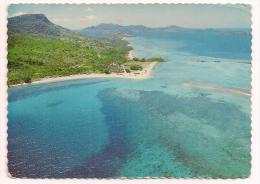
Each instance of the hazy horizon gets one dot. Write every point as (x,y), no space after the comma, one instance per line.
(200,16)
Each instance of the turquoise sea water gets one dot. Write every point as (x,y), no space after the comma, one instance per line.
(191,119)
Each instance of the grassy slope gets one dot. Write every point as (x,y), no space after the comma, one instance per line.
(34,57)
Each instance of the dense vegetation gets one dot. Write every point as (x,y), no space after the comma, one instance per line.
(152,59)
(136,67)
(34,57)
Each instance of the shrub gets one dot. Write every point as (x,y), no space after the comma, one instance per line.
(156,59)
(107,71)
(136,67)
(27,79)
(136,59)
(127,70)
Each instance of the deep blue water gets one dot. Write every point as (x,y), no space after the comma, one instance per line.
(191,119)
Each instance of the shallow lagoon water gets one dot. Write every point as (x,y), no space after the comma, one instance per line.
(159,127)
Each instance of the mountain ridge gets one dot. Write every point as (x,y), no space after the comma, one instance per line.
(39,24)
(36,24)
(110,30)
(118,31)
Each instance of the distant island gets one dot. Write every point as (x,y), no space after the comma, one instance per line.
(39,50)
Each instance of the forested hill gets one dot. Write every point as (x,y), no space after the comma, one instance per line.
(38,48)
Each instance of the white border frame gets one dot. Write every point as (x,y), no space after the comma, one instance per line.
(255,99)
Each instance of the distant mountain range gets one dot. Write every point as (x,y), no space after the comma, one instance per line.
(115,30)
(38,24)
(118,31)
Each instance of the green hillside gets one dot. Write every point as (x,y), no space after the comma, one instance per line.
(34,57)
(38,48)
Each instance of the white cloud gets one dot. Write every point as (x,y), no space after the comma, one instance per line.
(92,17)
(18,14)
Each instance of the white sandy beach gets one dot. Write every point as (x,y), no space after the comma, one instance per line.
(138,75)
(130,55)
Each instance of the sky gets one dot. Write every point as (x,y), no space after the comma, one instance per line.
(75,16)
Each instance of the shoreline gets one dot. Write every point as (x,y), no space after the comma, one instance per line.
(136,75)
(130,54)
